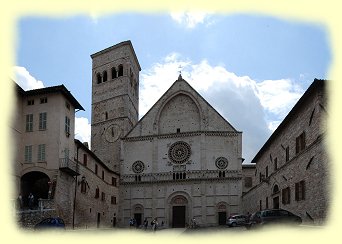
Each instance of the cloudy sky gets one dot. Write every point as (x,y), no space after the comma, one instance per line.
(251,68)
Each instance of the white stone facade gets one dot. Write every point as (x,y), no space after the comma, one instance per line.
(182,160)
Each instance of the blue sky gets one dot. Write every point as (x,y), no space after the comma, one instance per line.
(251,68)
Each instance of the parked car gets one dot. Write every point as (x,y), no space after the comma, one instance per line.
(273,216)
(50,223)
(235,220)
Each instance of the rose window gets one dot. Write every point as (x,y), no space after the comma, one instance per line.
(138,167)
(179,152)
(221,163)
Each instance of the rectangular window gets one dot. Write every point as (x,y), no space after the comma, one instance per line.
(248,182)
(275,164)
(103,196)
(30,102)
(300,190)
(266,171)
(28,154)
(43,100)
(42,121)
(67,126)
(97,193)
(113,181)
(102,175)
(300,143)
(286,194)
(83,185)
(41,153)
(287,154)
(85,159)
(96,168)
(266,202)
(260,205)
(113,200)
(29,122)
(67,105)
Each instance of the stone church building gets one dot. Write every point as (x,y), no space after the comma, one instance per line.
(182,160)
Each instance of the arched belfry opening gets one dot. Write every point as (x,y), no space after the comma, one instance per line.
(34,182)
(120,72)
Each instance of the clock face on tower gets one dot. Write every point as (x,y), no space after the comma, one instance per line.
(112,133)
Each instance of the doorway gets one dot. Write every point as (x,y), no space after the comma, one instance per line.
(222,216)
(276,202)
(98,220)
(138,217)
(178,216)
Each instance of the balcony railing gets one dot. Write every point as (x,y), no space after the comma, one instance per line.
(68,166)
(191,175)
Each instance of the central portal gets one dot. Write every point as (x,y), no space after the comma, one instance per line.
(178,216)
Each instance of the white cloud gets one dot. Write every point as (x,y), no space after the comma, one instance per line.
(24,79)
(82,129)
(190,18)
(255,108)
(278,96)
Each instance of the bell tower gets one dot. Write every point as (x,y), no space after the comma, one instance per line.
(115,100)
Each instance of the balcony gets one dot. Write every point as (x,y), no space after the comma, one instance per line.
(68,166)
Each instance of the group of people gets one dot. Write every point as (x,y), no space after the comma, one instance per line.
(30,201)
(154,223)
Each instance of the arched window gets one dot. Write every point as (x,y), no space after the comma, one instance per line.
(114,74)
(184,175)
(98,78)
(106,115)
(104,76)
(120,70)
(177,176)
(275,189)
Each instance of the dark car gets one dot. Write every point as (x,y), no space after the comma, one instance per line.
(50,223)
(236,220)
(273,216)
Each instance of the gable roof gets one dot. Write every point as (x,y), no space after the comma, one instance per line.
(159,101)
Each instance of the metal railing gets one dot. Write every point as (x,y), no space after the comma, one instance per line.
(69,165)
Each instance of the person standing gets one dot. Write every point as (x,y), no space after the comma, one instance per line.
(154,224)
(145,223)
(20,202)
(31,200)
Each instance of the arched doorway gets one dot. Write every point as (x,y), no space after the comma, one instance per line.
(179,211)
(138,211)
(36,183)
(222,213)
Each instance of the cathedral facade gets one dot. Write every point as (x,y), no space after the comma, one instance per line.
(180,161)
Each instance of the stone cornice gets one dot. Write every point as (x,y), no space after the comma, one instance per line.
(183,134)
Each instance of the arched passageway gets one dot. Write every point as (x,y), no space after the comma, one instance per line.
(36,183)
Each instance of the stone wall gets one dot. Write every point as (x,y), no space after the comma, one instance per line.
(309,165)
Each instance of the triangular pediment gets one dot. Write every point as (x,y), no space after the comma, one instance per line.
(180,109)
